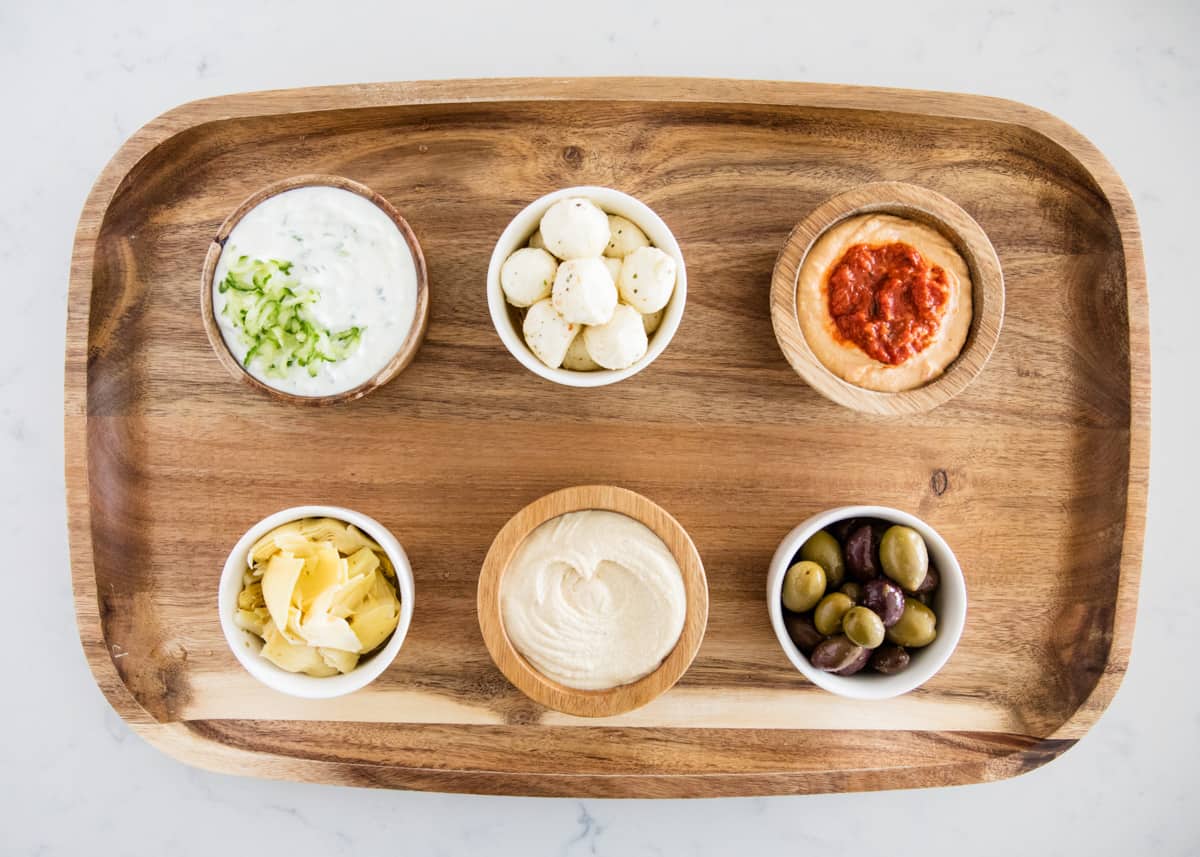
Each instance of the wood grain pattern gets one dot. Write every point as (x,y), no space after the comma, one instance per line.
(1036,474)
(552,694)
(914,203)
(404,354)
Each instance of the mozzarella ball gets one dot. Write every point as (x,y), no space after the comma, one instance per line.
(577,358)
(584,292)
(647,279)
(535,240)
(652,320)
(547,333)
(575,228)
(624,237)
(527,276)
(621,342)
(614,267)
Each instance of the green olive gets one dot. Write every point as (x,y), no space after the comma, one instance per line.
(854,590)
(863,626)
(904,557)
(824,550)
(917,626)
(803,586)
(828,615)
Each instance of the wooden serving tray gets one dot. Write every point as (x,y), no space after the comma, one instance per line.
(1036,474)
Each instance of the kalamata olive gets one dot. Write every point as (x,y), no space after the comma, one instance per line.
(904,557)
(885,598)
(916,628)
(925,598)
(835,653)
(889,659)
(857,665)
(854,590)
(803,586)
(860,554)
(824,550)
(802,631)
(863,627)
(930,583)
(843,528)
(828,616)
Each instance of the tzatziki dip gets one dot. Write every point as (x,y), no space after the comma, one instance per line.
(315,291)
(593,599)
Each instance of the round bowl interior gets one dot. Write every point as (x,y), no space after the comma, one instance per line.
(921,205)
(246,646)
(950,604)
(516,235)
(592,703)
(403,356)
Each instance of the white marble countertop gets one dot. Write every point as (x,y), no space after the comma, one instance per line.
(77,81)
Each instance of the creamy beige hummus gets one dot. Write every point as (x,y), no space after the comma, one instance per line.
(844,358)
(593,600)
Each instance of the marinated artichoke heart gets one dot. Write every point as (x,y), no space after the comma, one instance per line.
(320,594)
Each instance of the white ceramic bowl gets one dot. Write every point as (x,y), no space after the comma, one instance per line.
(246,645)
(516,235)
(950,605)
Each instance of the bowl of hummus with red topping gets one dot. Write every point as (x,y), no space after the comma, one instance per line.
(888,298)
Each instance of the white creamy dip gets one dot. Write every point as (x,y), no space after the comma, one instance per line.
(593,600)
(352,254)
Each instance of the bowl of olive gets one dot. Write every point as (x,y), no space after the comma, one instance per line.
(868,602)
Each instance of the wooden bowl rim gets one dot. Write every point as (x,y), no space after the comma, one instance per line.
(404,354)
(914,203)
(623,698)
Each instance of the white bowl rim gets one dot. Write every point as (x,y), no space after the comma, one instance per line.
(514,236)
(245,645)
(951,607)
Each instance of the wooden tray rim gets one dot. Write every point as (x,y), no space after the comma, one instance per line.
(189,742)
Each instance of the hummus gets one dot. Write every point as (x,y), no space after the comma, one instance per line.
(593,600)
(846,358)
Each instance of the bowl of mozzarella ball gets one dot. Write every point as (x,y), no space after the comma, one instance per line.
(586,286)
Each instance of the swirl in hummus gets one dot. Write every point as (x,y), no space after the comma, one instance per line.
(593,600)
(884,302)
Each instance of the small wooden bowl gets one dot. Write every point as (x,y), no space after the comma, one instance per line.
(403,356)
(924,206)
(626,697)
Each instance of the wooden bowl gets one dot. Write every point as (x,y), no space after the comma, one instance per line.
(924,206)
(402,357)
(626,697)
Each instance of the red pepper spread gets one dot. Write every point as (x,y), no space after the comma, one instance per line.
(888,300)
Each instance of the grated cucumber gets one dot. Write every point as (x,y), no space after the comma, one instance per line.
(270,311)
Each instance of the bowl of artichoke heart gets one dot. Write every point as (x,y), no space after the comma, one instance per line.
(315,601)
